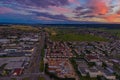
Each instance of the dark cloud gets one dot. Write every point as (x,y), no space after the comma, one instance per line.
(89,16)
(37,3)
(81,11)
(62,10)
(26,4)
(57,17)
(87,12)
(79,8)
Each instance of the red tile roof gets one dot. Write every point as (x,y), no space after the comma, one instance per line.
(89,57)
(17,72)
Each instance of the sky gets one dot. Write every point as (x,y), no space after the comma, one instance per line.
(60,11)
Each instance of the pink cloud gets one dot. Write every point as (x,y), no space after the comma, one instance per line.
(112,17)
(4,10)
(99,7)
(118,12)
(45,18)
(74,1)
(60,10)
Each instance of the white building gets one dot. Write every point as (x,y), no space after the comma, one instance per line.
(4,40)
(82,71)
(3,53)
(11,50)
(93,72)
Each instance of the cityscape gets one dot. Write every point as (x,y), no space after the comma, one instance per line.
(59,53)
(59,39)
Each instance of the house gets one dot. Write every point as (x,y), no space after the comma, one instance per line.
(93,72)
(82,66)
(14,62)
(83,71)
(12,44)
(115,61)
(14,65)
(98,63)
(110,69)
(4,40)
(52,70)
(28,49)
(109,63)
(91,58)
(19,54)
(12,37)
(2,53)
(16,54)
(17,71)
(61,67)
(25,39)
(28,54)
(109,75)
(11,50)
(34,39)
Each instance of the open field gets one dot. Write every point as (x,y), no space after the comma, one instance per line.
(113,31)
(76,37)
(20,28)
(70,35)
(41,78)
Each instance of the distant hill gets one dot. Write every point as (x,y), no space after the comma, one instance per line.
(110,26)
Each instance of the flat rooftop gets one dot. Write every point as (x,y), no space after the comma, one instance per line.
(13,59)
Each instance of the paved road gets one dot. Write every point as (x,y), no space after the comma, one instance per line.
(33,76)
(36,57)
(35,64)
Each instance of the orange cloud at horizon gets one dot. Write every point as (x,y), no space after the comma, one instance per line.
(99,7)
(112,17)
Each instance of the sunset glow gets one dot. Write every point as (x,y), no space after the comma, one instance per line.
(60,11)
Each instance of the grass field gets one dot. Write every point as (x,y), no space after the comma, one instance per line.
(13,79)
(76,37)
(26,78)
(21,28)
(68,34)
(41,78)
(25,28)
(114,31)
